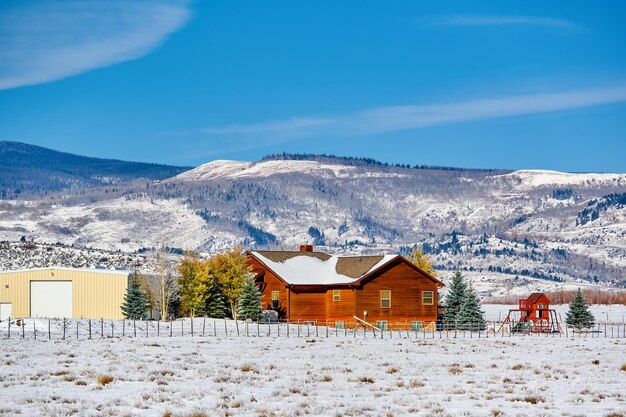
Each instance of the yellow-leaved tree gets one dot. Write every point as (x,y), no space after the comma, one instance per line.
(422,260)
(231,270)
(193,282)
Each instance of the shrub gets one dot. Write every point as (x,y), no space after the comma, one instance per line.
(105,379)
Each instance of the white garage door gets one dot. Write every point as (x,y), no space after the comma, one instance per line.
(51,299)
(5,311)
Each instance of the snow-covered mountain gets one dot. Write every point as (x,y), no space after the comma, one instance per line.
(535,228)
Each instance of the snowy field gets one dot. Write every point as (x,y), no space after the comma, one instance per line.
(335,376)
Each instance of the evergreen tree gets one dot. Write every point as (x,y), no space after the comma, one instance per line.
(579,315)
(422,261)
(215,305)
(135,303)
(249,306)
(454,299)
(470,316)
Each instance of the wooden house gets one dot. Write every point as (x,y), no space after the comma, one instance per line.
(310,286)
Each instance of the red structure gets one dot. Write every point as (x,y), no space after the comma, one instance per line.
(534,315)
(310,286)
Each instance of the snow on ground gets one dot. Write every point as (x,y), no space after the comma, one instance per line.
(335,376)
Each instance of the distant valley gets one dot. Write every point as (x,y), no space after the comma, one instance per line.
(510,231)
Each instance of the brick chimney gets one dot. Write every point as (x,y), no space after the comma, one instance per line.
(307,248)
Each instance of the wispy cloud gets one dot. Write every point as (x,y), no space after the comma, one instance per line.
(50,40)
(498,20)
(396,118)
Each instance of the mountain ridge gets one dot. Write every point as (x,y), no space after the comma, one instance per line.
(527,229)
(35,170)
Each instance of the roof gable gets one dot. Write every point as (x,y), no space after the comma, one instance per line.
(536,296)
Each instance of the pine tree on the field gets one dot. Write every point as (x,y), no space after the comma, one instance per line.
(215,305)
(454,299)
(249,305)
(579,315)
(470,316)
(135,303)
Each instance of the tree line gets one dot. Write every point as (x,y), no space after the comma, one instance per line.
(218,286)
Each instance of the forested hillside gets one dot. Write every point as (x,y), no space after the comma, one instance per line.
(33,170)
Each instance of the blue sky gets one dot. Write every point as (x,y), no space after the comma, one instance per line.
(528,84)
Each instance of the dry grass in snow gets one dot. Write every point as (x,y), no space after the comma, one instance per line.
(266,376)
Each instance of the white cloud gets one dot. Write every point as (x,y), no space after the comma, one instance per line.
(496,20)
(51,40)
(387,119)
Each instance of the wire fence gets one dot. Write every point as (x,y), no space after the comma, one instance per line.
(85,329)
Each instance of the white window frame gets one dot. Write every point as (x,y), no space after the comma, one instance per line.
(336,295)
(382,324)
(340,324)
(417,325)
(382,298)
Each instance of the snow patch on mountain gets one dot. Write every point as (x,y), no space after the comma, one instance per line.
(536,178)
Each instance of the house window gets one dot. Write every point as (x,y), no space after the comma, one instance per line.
(340,324)
(336,295)
(385,299)
(416,326)
(382,324)
(275,299)
(428,298)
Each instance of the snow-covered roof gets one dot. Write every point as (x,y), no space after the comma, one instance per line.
(60,268)
(317,268)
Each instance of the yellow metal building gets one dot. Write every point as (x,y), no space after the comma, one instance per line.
(63,293)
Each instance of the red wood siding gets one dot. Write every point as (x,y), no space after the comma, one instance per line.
(342,309)
(271,283)
(406,286)
(308,304)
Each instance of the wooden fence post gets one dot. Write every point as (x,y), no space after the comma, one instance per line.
(63,329)
(134,328)
(49,334)
(158,327)
(123,327)
(191,324)
(214,329)
(90,329)
(101,327)
(76,329)
(171,328)
(34,330)
(203,325)
(237,326)
(112,330)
